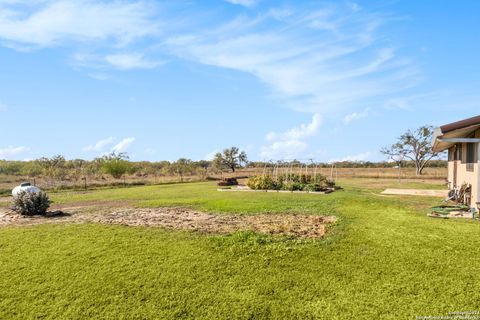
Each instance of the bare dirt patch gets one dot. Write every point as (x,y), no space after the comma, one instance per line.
(296,225)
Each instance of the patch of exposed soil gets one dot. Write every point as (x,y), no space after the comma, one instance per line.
(10,218)
(298,226)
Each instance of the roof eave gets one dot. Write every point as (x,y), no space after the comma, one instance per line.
(444,140)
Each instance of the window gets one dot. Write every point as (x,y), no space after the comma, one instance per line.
(471,156)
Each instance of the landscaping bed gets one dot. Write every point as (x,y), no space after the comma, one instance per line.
(292,182)
(247,189)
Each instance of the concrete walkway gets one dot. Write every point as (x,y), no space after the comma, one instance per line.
(417,192)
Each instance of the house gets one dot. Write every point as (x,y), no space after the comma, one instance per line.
(462,140)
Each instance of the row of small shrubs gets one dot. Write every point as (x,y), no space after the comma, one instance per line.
(290,182)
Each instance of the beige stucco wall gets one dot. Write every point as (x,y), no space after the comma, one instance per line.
(464,176)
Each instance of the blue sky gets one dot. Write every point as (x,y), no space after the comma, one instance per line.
(328,80)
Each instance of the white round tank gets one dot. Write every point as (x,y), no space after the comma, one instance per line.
(26,187)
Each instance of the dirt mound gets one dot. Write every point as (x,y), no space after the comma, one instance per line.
(298,226)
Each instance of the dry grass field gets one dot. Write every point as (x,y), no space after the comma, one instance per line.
(346,173)
(7,182)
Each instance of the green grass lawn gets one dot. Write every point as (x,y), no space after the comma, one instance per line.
(383,260)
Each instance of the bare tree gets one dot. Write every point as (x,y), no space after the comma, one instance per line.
(413,145)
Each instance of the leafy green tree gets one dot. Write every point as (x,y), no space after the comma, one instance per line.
(115,164)
(31,169)
(202,168)
(181,167)
(10,167)
(94,167)
(204,164)
(76,168)
(231,158)
(53,168)
(413,145)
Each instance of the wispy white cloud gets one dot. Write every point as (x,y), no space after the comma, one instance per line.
(290,144)
(211,155)
(354,6)
(123,145)
(336,58)
(401,103)
(245,3)
(110,144)
(53,22)
(99,76)
(411,102)
(300,132)
(320,71)
(10,151)
(119,61)
(126,61)
(100,145)
(349,118)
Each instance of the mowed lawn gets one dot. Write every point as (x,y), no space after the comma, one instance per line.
(384,259)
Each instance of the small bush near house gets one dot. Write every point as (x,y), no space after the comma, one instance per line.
(30,204)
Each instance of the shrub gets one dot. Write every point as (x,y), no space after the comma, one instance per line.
(314,187)
(292,186)
(30,203)
(115,164)
(323,181)
(262,182)
(228,182)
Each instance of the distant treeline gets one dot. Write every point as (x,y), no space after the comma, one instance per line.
(58,167)
(350,164)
